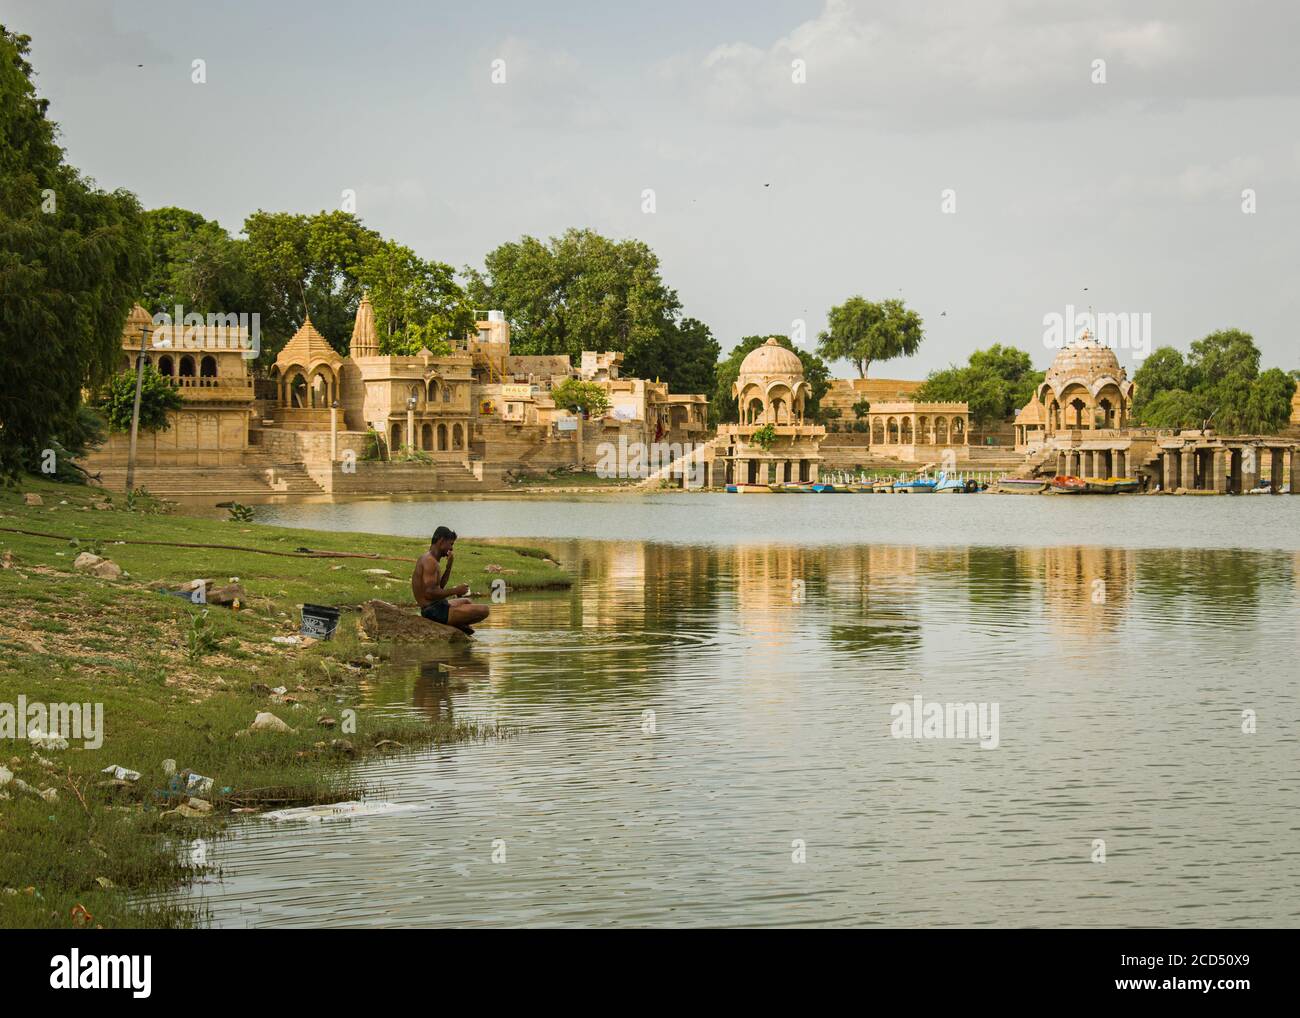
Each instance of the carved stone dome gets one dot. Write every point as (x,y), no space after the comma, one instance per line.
(772,359)
(1085,359)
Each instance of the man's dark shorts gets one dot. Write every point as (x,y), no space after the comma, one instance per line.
(436,612)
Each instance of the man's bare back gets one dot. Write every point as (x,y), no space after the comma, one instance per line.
(426,574)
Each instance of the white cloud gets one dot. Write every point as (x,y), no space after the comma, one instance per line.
(915,65)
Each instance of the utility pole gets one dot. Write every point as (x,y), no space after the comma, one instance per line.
(135,413)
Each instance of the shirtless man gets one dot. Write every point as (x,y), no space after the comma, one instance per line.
(437,601)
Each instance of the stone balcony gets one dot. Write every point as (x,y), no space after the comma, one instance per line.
(208,389)
(782,430)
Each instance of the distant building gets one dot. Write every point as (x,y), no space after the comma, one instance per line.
(207,365)
(770,389)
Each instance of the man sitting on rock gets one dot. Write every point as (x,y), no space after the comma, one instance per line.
(437,601)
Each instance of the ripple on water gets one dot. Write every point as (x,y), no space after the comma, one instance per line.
(1120,720)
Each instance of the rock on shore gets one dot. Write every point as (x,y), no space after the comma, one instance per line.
(383,621)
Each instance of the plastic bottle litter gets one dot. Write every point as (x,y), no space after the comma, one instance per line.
(121,773)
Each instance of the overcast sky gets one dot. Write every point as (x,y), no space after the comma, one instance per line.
(774,199)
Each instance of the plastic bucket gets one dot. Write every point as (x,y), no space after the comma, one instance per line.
(319,621)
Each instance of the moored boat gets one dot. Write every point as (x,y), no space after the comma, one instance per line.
(916,486)
(883,487)
(1124,485)
(1063,484)
(791,488)
(752,489)
(1099,486)
(1021,485)
(950,486)
(827,489)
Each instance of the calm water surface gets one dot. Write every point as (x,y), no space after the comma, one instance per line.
(1120,719)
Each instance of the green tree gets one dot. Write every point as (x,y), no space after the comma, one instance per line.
(995,383)
(723,407)
(1268,406)
(1176,408)
(157,397)
(1163,370)
(861,408)
(72,261)
(1224,366)
(863,331)
(316,257)
(685,354)
(582,291)
(581,397)
(417,303)
(195,263)
(1219,385)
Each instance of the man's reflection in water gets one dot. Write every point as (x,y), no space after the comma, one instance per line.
(432,691)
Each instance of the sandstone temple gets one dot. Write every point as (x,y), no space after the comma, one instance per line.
(468,418)
(369,422)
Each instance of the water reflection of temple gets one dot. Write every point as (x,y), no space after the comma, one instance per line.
(1085,589)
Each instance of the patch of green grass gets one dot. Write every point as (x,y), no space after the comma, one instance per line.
(176,688)
(571,479)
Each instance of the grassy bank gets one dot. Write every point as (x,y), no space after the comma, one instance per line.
(179,682)
(579,480)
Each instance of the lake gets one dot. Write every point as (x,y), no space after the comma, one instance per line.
(714,725)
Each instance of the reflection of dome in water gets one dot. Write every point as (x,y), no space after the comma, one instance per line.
(771,359)
(1085,359)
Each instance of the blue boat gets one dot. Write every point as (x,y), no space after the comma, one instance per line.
(916,486)
(950,485)
(825,489)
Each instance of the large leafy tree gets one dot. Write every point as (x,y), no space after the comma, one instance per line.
(417,303)
(1163,370)
(723,407)
(1268,405)
(1225,365)
(196,264)
(311,258)
(1218,384)
(684,353)
(583,291)
(864,331)
(72,261)
(995,383)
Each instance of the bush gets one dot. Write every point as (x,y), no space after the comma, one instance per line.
(157,397)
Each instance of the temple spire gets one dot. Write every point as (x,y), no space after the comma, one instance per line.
(365,342)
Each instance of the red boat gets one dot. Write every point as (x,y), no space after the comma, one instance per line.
(1063,484)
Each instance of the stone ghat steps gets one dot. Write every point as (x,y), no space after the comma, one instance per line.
(281,479)
(458,477)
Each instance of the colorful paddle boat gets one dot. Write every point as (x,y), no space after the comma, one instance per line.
(1063,484)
